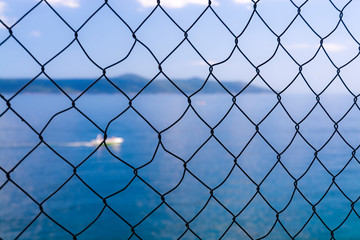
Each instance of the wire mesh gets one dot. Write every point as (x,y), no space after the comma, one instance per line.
(212,197)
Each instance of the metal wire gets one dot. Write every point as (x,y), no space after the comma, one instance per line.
(188,222)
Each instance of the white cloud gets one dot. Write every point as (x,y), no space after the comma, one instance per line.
(2,7)
(334,47)
(248,7)
(247,3)
(35,33)
(244,1)
(176,3)
(2,15)
(65,3)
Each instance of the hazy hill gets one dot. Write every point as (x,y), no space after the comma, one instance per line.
(127,83)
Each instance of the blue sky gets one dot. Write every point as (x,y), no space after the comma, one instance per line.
(107,40)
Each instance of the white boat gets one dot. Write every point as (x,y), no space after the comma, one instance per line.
(109,141)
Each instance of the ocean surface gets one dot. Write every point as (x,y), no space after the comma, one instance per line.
(319,158)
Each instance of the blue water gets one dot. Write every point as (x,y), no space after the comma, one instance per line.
(108,172)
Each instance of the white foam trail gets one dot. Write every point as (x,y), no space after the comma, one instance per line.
(113,142)
(79,144)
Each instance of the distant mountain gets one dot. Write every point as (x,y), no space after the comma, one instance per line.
(126,83)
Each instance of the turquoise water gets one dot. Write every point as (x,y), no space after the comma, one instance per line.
(109,172)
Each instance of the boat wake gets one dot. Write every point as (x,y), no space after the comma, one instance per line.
(78,144)
(99,140)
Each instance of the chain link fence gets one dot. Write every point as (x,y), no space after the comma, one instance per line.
(160,203)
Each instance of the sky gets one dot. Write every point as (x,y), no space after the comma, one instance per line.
(107,40)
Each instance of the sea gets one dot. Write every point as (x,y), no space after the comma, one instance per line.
(250,167)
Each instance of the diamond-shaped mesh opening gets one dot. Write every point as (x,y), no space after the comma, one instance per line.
(256,110)
(85,203)
(73,64)
(179,144)
(283,127)
(293,220)
(16,63)
(188,207)
(351,225)
(341,213)
(186,63)
(140,60)
(318,174)
(257,34)
(115,33)
(41,226)
(9,141)
(335,155)
(234,200)
(136,133)
(15,218)
(341,47)
(138,198)
(58,136)
(154,34)
(183,119)
(280,71)
(235,131)
(348,127)
(215,217)
(249,218)
(297,157)
(211,159)
(255,162)
(160,114)
(351,191)
(40,163)
(278,232)
(284,183)
(314,229)
(163,223)
(91,105)
(302,47)
(205,39)
(315,120)
(212,108)
(72,13)
(237,64)
(235,231)
(319,79)
(38,107)
(32,32)
(326,9)
(165,181)
(102,181)
(349,11)
(337,105)
(278,22)
(348,73)
(101,228)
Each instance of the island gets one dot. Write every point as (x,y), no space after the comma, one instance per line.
(128,83)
